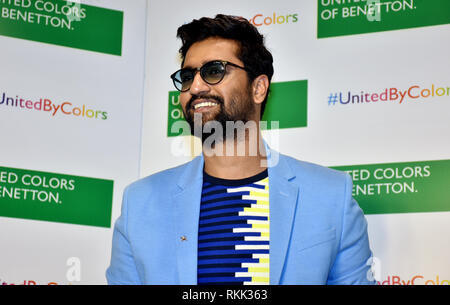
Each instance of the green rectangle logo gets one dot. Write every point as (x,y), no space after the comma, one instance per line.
(407,187)
(63,23)
(339,17)
(287,104)
(54,197)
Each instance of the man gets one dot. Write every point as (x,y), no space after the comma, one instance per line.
(236,218)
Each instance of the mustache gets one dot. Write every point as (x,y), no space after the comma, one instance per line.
(193,98)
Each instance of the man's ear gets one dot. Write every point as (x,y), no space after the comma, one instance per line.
(260,86)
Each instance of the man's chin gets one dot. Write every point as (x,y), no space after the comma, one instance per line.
(200,119)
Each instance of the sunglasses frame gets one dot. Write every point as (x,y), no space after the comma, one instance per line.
(224,63)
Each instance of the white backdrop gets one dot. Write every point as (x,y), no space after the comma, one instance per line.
(39,251)
(406,245)
(133,141)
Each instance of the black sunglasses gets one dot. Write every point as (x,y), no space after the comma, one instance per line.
(212,73)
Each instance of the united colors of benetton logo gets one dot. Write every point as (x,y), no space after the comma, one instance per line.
(55,197)
(46,105)
(406,187)
(348,17)
(63,23)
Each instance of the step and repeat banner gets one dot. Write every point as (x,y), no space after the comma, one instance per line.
(87,107)
(71,92)
(359,86)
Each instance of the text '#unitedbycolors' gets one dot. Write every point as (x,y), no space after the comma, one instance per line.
(46,105)
(392,94)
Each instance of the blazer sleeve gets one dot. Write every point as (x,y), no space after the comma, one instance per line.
(122,269)
(351,265)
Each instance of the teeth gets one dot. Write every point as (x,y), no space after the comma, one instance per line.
(204,104)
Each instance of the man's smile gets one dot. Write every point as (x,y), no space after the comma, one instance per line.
(202,105)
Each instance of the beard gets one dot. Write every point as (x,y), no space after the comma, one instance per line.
(240,108)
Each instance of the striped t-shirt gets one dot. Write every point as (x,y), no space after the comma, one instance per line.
(233,238)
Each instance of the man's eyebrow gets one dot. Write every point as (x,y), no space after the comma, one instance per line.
(201,64)
(186,67)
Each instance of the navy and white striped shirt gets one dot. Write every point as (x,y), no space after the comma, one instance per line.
(233,238)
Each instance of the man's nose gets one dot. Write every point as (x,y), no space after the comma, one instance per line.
(198,86)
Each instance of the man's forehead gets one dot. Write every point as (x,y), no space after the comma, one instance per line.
(213,48)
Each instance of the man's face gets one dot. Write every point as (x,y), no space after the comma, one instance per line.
(230,99)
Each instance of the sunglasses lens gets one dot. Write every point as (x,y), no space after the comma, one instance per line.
(182,79)
(212,72)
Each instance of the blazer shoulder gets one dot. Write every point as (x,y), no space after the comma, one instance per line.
(323,186)
(162,180)
(315,172)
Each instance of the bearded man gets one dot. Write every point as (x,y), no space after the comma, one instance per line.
(236,218)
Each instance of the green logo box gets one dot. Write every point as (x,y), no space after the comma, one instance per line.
(339,17)
(55,197)
(287,104)
(407,187)
(63,23)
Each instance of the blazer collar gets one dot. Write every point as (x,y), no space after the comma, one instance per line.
(187,212)
(283,197)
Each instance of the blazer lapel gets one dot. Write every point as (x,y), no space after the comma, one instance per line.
(187,210)
(283,201)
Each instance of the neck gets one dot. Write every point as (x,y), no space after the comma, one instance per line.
(235,158)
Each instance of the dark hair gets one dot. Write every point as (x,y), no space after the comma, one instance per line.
(252,52)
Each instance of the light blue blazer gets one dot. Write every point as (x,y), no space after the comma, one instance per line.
(318,233)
